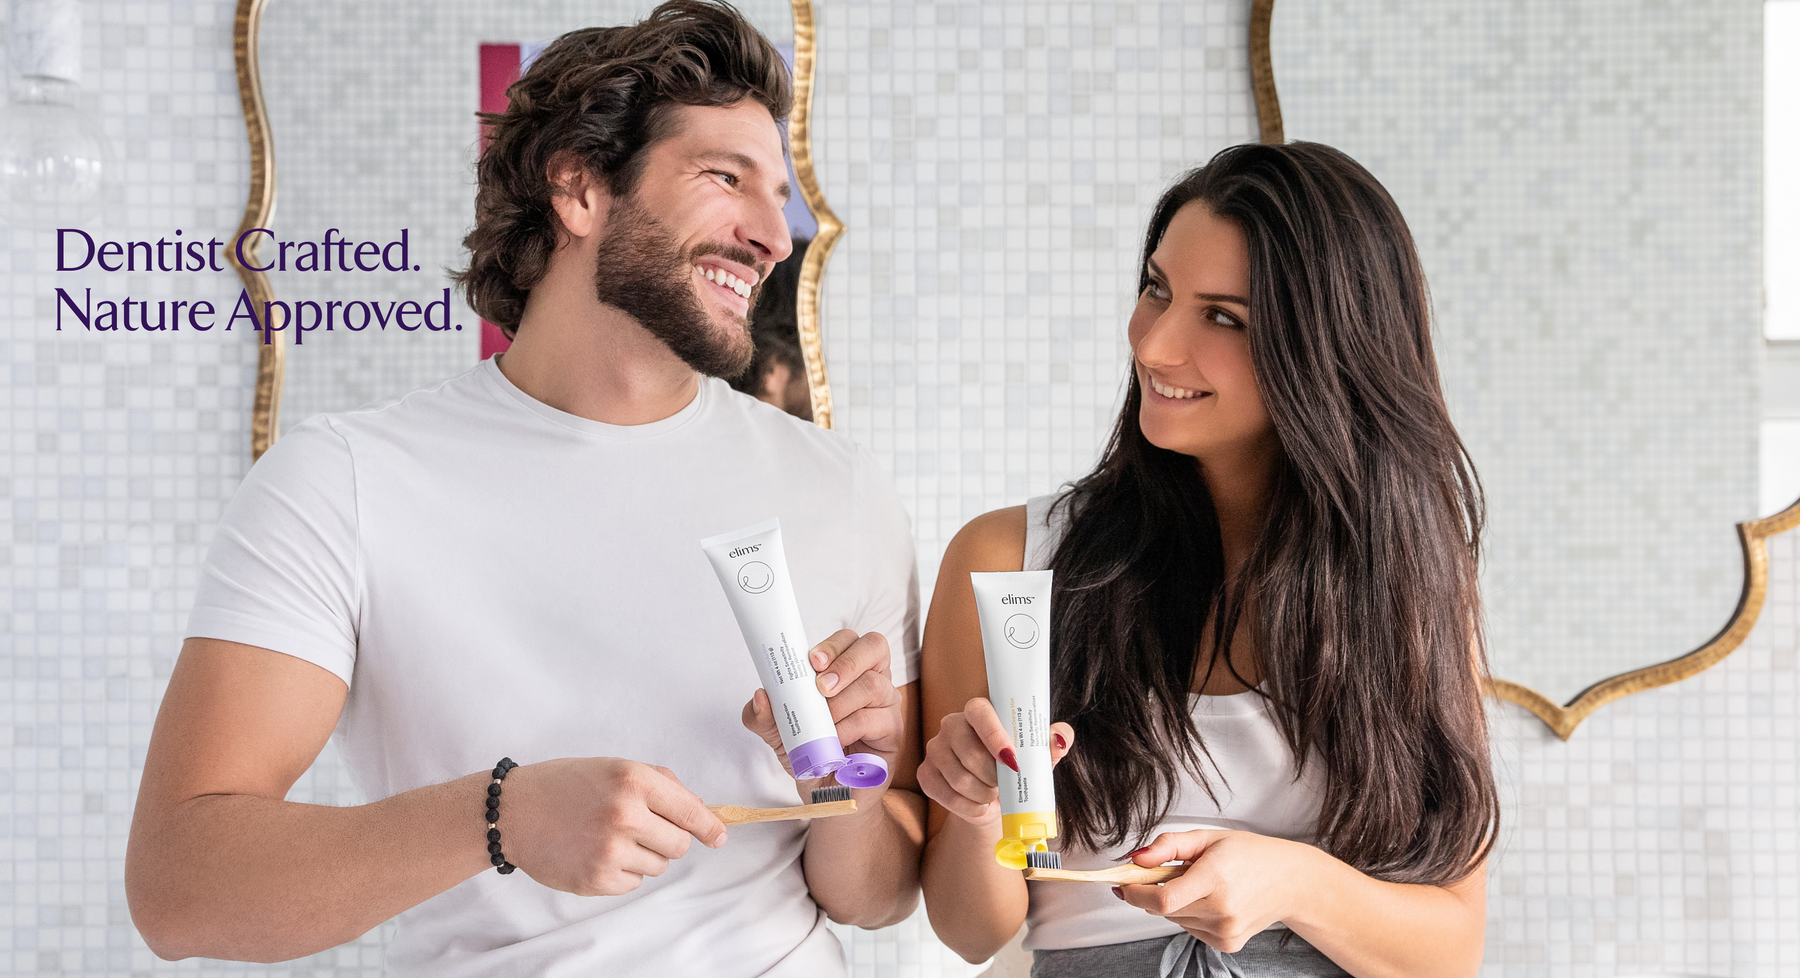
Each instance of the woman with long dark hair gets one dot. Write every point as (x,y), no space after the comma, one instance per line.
(1266,653)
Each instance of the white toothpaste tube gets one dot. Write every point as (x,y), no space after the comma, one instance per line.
(752,568)
(1015,639)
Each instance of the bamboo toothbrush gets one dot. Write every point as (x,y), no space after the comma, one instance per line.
(831,800)
(1046,867)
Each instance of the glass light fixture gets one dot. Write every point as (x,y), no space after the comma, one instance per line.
(52,154)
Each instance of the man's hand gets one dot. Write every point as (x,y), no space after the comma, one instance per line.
(596,826)
(865,706)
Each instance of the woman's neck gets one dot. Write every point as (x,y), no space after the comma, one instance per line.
(1240,485)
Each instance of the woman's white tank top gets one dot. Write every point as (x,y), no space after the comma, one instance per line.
(1252,773)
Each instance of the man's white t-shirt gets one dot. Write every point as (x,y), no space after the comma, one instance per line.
(494,577)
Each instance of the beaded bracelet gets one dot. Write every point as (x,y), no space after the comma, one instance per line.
(493,815)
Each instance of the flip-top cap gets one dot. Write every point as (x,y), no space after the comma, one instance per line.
(863,771)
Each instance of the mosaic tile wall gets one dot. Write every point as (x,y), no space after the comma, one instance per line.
(1584,185)
(994,163)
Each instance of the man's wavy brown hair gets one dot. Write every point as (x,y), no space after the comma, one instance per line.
(602,95)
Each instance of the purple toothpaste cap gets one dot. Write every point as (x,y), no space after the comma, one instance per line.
(863,771)
(817,758)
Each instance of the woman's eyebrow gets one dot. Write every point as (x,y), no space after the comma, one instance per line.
(1156,272)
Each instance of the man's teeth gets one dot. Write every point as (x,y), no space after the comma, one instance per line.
(1179,393)
(726,279)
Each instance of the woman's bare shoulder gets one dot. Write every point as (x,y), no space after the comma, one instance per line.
(993,541)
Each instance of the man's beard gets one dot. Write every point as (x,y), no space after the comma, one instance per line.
(642,272)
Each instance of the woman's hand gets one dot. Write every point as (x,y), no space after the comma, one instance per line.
(1236,884)
(959,771)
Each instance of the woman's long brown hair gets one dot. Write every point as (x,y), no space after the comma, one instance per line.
(1361,590)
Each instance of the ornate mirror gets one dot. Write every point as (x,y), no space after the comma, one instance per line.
(370,110)
(1584,192)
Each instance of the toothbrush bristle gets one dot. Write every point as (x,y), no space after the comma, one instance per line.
(836,792)
(1036,859)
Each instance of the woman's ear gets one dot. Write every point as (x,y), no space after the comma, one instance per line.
(578,196)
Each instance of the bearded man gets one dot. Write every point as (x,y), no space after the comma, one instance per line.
(507,564)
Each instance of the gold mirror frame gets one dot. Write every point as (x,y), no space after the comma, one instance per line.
(1752,535)
(271,363)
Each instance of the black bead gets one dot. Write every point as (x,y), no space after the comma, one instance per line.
(493,835)
(505,868)
(508,763)
(498,859)
(500,773)
(494,848)
(493,791)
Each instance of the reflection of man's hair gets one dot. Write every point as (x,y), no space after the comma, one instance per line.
(602,95)
(775,325)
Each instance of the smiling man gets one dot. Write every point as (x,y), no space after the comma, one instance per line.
(507,565)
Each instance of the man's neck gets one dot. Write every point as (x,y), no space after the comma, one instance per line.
(589,359)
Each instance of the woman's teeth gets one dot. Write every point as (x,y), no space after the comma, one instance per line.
(726,279)
(1179,393)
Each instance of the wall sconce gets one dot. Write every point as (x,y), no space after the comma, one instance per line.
(52,154)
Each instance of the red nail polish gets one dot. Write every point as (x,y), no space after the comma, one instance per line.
(1008,758)
(1118,893)
(1136,851)
(1061,744)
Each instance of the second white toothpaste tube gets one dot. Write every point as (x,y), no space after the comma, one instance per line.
(752,568)
(1014,609)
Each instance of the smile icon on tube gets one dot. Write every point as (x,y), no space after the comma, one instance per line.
(1022,631)
(755,577)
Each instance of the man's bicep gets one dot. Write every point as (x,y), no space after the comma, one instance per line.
(238,719)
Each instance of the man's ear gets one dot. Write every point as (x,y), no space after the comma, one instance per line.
(579,198)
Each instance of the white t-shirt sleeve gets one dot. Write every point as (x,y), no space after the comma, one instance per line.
(283,571)
(890,602)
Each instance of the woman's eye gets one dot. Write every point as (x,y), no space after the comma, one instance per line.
(1155,290)
(1222,318)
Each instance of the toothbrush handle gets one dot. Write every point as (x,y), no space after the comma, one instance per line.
(1125,874)
(738,815)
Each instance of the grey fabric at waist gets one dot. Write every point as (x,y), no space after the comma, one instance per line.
(1263,957)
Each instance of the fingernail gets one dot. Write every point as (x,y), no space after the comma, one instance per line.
(718,840)
(1118,893)
(1060,742)
(1008,758)
(829,681)
(1136,851)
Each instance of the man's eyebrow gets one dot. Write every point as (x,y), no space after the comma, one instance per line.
(1156,271)
(743,162)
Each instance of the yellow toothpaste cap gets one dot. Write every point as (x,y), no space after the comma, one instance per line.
(1023,832)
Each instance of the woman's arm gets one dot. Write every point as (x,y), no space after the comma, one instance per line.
(1238,883)
(975,904)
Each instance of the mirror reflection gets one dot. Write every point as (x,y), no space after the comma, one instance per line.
(372,147)
(1589,238)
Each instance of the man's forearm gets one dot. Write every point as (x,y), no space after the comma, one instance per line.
(863,869)
(249,878)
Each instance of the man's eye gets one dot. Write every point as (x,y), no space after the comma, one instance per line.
(730,179)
